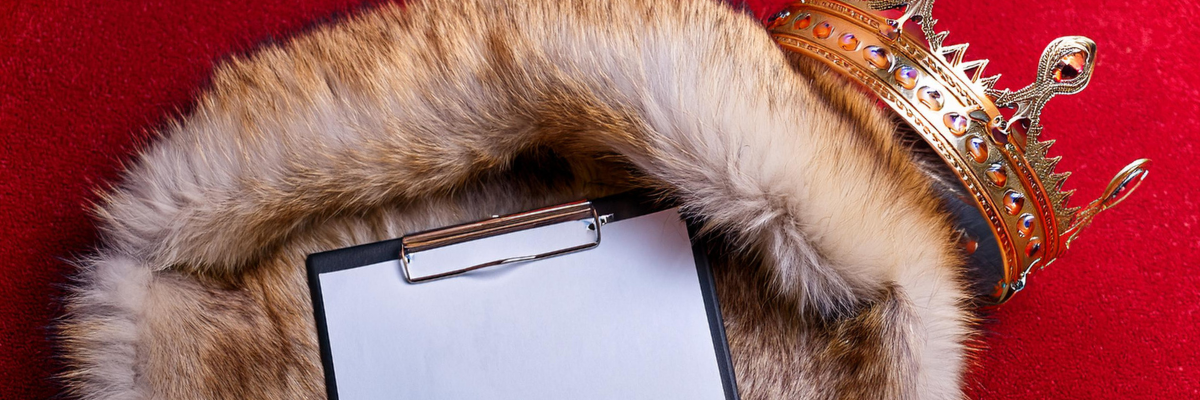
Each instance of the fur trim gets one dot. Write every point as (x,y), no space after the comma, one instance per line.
(105,319)
(404,119)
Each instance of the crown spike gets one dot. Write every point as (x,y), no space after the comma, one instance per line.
(1044,145)
(1059,200)
(1060,196)
(935,41)
(973,70)
(1064,210)
(1045,169)
(989,82)
(1051,181)
(1004,97)
(1035,150)
(1050,163)
(1055,180)
(954,54)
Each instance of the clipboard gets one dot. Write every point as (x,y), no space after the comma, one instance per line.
(610,299)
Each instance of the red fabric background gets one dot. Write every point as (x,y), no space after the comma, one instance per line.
(82,83)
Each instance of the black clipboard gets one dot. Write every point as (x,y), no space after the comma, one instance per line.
(596,213)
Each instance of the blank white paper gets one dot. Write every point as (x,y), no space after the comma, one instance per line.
(625,320)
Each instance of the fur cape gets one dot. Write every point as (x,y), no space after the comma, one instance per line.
(840,278)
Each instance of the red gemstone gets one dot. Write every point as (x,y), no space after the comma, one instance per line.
(848,42)
(907,76)
(823,30)
(969,245)
(891,30)
(777,19)
(1070,66)
(803,22)
(878,57)
(930,97)
(1025,225)
(1013,202)
(998,174)
(978,149)
(1034,248)
(956,122)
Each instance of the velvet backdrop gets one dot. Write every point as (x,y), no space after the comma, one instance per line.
(83,84)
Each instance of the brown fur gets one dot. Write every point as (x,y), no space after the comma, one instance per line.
(842,280)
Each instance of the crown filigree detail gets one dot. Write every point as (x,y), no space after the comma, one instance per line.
(1065,68)
(1001,160)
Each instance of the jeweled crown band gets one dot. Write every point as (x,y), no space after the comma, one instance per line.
(950,103)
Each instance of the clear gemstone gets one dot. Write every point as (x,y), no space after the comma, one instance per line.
(823,30)
(803,22)
(1070,66)
(1013,202)
(878,57)
(907,76)
(848,42)
(997,174)
(930,97)
(1034,248)
(956,122)
(1025,225)
(978,149)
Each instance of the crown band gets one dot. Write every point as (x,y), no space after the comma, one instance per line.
(948,102)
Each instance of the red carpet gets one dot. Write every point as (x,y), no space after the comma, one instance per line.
(83,82)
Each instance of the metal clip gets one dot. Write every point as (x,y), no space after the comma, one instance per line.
(496,226)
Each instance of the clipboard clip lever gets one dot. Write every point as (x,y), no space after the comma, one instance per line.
(499,225)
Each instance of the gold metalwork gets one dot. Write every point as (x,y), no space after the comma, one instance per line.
(1016,160)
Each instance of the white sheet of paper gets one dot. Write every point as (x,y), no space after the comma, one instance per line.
(625,320)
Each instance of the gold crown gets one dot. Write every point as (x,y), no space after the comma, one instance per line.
(948,102)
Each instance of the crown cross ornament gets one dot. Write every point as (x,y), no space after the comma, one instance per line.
(1001,161)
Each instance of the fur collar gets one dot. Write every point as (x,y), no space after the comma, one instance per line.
(840,280)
